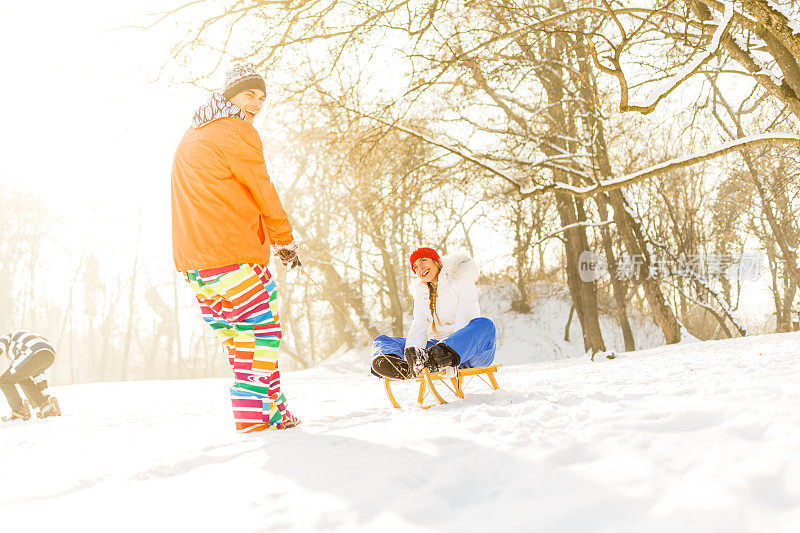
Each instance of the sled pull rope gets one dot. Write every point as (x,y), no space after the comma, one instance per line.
(358,328)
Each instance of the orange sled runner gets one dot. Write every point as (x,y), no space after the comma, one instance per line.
(426,380)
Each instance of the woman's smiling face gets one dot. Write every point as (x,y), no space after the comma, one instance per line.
(427,269)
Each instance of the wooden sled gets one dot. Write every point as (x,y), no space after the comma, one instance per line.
(485,374)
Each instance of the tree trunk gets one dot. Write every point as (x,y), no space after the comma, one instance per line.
(569,208)
(569,321)
(522,241)
(396,304)
(131,310)
(583,293)
(662,313)
(618,286)
(634,238)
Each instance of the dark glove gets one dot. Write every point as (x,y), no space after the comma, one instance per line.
(287,253)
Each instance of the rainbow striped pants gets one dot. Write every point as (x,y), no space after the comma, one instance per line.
(239,302)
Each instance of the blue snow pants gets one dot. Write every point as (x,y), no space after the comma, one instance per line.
(474,343)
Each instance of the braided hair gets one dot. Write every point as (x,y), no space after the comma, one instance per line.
(432,298)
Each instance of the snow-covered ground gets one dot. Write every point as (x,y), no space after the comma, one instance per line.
(698,437)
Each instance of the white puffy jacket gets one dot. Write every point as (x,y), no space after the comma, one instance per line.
(456,301)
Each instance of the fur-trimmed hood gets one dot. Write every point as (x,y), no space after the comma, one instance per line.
(456,267)
(456,301)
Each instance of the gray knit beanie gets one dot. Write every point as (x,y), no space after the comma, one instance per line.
(242,77)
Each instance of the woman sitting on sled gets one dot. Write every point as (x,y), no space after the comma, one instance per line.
(447,332)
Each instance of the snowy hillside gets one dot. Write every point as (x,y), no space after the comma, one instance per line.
(539,335)
(700,437)
(534,337)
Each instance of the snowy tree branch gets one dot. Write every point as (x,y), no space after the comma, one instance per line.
(669,85)
(667,166)
(585,223)
(463,153)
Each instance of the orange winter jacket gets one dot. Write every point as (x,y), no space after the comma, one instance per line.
(225,209)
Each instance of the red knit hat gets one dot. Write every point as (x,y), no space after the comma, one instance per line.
(430,253)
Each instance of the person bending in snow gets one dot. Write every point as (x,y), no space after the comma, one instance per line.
(225,215)
(447,331)
(24,358)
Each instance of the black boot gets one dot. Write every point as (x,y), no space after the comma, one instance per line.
(445,359)
(390,366)
(417,360)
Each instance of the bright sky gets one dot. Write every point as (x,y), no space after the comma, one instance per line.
(86,131)
(92,135)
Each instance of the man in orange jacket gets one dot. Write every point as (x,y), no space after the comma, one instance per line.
(225,216)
